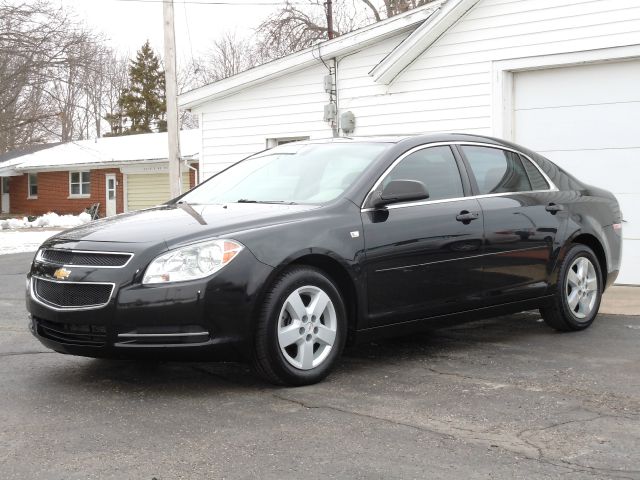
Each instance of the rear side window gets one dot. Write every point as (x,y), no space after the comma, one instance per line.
(436,167)
(496,170)
(535,177)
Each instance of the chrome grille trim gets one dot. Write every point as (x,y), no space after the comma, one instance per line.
(40,258)
(162,335)
(61,308)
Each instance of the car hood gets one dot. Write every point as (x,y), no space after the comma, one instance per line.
(175,223)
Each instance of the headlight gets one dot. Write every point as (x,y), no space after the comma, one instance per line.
(194,261)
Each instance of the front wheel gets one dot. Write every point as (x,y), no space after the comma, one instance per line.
(301,329)
(578,291)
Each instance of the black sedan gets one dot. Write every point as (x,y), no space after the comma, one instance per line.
(287,256)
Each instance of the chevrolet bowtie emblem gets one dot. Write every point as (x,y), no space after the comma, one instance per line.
(62,273)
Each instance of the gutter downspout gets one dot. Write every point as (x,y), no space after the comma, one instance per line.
(336,122)
(195,171)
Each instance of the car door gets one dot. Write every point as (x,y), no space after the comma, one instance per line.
(422,257)
(520,221)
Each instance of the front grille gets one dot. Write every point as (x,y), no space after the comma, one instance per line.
(72,333)
(72,295)
(89,259)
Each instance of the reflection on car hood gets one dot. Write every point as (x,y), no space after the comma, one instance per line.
(173,222)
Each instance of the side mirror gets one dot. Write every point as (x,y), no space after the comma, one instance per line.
(398,191)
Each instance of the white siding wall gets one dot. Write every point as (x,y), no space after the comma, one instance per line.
(448,88)
(595,134)
(238,125)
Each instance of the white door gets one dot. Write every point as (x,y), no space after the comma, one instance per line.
(587,119)
(4,199)
(110,183)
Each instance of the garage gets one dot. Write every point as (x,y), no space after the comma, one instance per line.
(150,189)
(586,118)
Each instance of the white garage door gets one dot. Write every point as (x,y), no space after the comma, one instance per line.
(150,189)
(587,119)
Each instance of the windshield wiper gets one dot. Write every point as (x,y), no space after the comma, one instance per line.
(281,202)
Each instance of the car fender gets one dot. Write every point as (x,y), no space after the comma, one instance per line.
(577,225)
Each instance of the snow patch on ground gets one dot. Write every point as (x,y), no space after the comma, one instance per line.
(51,220)
(18,241)
(19,235)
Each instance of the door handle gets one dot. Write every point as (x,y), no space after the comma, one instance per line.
(466,216)
(553,208)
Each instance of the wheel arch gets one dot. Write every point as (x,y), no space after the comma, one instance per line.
(594,244)
(590,240)
(335,269)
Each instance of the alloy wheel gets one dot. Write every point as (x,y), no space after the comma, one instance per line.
(307,327)
(581,287)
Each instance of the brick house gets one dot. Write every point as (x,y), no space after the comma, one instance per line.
(119,173)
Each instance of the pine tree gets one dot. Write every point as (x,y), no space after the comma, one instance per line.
(143,104)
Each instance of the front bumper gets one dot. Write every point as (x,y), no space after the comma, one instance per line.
(204,319)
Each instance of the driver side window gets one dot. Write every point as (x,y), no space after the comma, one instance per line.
(435,167)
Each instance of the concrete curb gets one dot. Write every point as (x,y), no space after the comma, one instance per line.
(621,300)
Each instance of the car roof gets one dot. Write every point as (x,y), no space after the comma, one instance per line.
(410,138)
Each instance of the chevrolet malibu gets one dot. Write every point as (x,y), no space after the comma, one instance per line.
(287,256)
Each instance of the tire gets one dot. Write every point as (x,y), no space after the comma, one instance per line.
(578,291)
(297,342)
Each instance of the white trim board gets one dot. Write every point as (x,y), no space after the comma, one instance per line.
(125,192)
(420,40)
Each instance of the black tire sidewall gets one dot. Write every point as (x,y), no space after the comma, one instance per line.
(575,252)
(291,280)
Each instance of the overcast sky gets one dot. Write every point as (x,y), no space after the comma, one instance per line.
(128,23)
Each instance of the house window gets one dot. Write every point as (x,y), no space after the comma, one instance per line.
(79,184)
(33,185)
(274,142)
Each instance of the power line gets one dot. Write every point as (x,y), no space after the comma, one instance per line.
(186,21)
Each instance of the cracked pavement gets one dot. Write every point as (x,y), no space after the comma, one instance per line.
(499,398)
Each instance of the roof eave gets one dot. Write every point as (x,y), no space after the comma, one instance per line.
(420,40)
(20,169)
(332,48)
(9,172)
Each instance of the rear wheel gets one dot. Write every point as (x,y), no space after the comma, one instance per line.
(578,291)
(301,329)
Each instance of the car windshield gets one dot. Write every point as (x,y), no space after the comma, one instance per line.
(306,173)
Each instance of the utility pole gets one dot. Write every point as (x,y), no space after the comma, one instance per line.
(329,19)
(172,98)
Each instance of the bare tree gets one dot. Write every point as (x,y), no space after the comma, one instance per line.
(297,26)
(101,87)
(56,77)
(33,42)
(116,80)
(72,83)
(189,78)
(228,55)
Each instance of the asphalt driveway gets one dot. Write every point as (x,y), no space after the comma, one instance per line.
(501,398)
